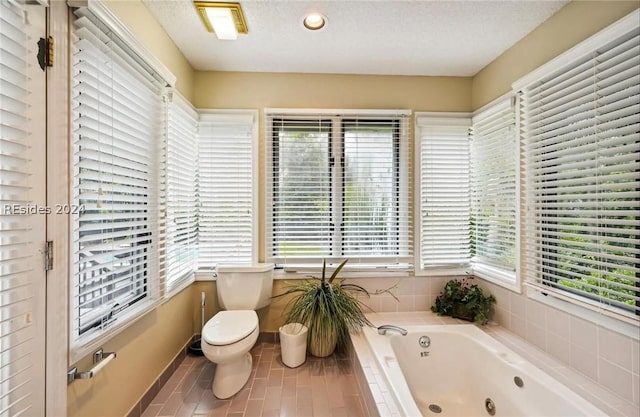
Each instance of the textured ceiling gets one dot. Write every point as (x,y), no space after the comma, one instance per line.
(455,38)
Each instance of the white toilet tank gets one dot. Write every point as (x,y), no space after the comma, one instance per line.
(244,287)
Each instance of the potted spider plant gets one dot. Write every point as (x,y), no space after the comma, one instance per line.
(329,307)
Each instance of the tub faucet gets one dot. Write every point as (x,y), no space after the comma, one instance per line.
(383,329)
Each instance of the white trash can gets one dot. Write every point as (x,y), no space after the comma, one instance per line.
(293,343)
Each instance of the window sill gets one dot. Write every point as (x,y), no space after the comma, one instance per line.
(600,319)
(305,272)
(354,271)
(178,287)
(500,277)
(86,346)
(442,272)
(205,275)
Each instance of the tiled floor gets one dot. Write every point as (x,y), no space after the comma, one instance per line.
(319,388)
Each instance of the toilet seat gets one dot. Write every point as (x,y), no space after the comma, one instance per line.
(229,326)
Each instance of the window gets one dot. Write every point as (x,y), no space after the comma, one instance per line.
(338,187)
(442,143)
(227,181)
(117,119)
(581,142)
(302,188)
(494,158)
(181,152)
(373,208)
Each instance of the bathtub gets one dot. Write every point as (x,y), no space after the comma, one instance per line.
(459,370)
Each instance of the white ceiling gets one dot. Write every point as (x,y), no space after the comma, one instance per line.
(455,38)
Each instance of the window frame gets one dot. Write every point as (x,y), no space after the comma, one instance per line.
(171,286)
(578,305)
(139,53)
(337,119)
(331,167)
(394,125)
(426,121)
(497,274)
(209,116)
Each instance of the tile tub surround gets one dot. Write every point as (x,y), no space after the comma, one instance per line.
(597,394)
(604,356)
(413,293)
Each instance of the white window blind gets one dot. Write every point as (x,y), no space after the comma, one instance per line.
(179,193)
(444,201)
(117,119)
(338,186)
(21,233)
(374,190)
(581,141)
(494,200)
(300,207)
(227,188)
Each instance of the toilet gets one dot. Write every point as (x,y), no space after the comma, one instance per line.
(228,336)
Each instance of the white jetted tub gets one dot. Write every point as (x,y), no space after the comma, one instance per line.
(459,370)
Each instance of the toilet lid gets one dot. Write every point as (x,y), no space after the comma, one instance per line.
(228,327)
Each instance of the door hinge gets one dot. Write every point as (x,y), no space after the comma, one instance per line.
(45,52)
(48,255)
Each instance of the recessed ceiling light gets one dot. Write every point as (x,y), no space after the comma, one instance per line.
(314,21)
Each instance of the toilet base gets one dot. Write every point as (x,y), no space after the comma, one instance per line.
(230,377)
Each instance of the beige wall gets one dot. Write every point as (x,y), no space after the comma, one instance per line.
(144,350)
(246,90)
(272,317)
(574,23)
(146,28)
(211,303)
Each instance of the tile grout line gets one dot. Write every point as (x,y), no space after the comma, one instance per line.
(314,371)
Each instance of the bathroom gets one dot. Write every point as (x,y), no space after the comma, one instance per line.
(592,344)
